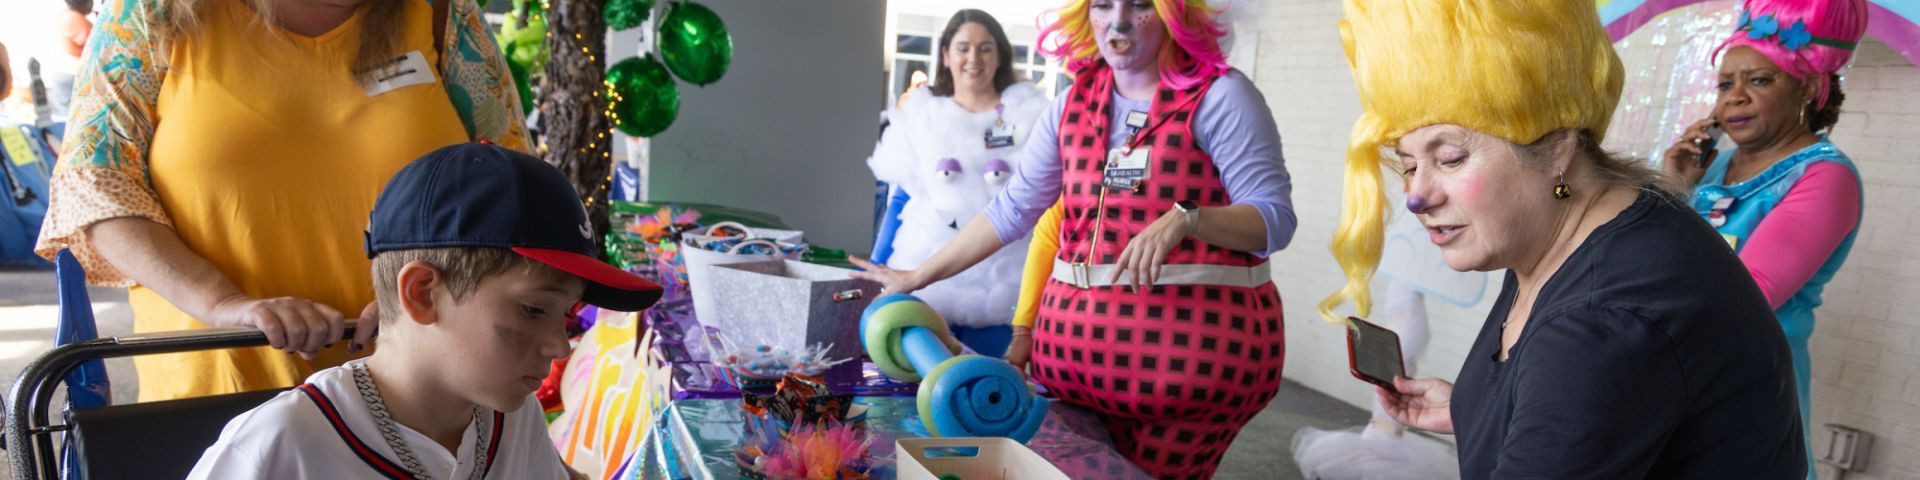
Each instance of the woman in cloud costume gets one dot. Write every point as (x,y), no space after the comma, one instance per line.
(939,150)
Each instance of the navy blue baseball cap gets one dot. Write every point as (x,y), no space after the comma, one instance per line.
(485,195)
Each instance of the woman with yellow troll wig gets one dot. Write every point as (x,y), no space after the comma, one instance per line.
(1628,340)
(1160,313)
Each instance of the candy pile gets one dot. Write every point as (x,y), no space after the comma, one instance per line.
(765,362)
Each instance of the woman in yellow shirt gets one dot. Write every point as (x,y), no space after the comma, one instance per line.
(222,156)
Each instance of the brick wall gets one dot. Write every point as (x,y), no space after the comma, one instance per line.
(1867,346)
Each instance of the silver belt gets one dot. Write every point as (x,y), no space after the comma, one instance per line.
(1085,276)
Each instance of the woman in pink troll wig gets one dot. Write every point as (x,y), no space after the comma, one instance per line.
(1189,53)
(1159,311)
(1784,197)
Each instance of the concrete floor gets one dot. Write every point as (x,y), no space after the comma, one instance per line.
(29,310)
(28,313)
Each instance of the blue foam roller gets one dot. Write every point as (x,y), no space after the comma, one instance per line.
(978,396)
(924,350)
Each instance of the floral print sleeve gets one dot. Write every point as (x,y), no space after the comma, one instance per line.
(102,172)
(477,80)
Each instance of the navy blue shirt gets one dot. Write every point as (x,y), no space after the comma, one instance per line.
(1649,354)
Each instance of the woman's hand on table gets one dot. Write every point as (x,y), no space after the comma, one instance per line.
(1422,404)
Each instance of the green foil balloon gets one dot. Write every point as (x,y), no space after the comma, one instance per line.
(644,98)
(625,14)
(694,43)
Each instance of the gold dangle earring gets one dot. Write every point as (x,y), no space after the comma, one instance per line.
(1561,191)
(1804,107)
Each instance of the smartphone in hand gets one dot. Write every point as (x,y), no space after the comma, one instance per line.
(1708,148)
(1373,353)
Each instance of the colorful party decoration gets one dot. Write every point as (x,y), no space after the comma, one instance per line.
(645,99)
(1894,22)
(626,14)
(834,451)
(694,43)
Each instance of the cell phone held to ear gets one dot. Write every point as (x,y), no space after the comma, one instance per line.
(1373,353)
(1709,148)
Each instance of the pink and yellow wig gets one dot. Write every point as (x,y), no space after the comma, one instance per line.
(1514,69)
(1190,55)
(1809,39)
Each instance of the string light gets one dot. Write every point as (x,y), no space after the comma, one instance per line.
(600,140)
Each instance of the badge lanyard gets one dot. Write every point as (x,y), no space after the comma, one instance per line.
(1139,125)
(1135,122)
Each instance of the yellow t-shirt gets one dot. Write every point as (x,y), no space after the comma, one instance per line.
(268,155)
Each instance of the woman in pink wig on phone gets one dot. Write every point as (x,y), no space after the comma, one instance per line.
(1783,196)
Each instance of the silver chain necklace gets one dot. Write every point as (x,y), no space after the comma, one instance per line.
(390,432)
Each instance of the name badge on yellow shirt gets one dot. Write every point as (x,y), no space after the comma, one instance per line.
(401,72)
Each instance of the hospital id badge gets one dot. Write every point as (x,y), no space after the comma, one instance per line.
(1001,135)
(400,72)
(1126,168)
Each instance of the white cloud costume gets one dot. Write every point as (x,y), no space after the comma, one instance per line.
(937,152)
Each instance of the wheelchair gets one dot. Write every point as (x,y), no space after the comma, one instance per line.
(143,440)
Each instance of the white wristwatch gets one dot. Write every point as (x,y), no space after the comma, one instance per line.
(1191,210)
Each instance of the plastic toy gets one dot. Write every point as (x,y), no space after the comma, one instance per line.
(959,395)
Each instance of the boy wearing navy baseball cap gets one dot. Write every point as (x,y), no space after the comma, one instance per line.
(480,254)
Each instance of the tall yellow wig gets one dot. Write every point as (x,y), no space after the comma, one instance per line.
(1514,69)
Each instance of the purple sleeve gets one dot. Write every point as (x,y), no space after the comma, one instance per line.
(1234,125)
(1036,179)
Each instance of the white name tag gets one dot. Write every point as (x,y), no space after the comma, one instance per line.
(1125,170)
(401,72)
(1000,135)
